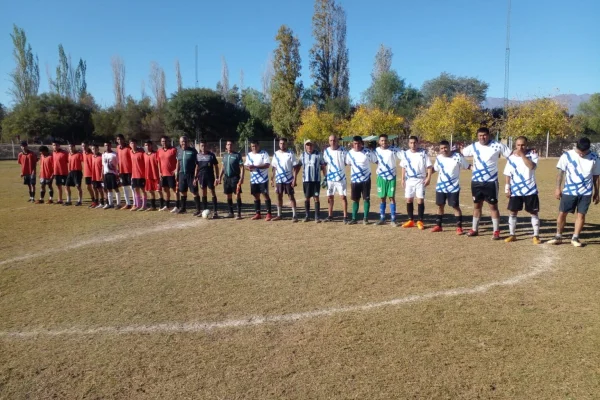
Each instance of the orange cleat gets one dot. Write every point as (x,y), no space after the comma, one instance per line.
(436,229)
(409,224)
(268,218)
(256,216)
(420,225)
(459,231)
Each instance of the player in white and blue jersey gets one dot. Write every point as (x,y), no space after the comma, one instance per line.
(447,190)
(285,170)
(580,168)
(484,182)
(312,165)
(258,163)
(387,160)
(521,188)
(359,159)
(335,159)
(416,176)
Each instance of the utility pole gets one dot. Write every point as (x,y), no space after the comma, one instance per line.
(507,61)
(196,57)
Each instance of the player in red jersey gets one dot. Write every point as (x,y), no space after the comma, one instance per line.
(138,176)
(124,154)
(151,163)
(61,168)
(87,168)
(75,175)
(97,177)
(167,156)
(46,174)
(28,161)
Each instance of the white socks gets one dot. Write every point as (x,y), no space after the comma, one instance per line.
(496,224)
(110,198)
(118,197)
(278,210)
(535,223)
(127,194)
(512,224)
(293,212)
(475,224)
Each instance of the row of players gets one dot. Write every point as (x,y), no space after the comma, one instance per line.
(185,169)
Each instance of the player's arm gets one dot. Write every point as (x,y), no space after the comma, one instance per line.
(596,197)
(428,176)
(402,176)
(273,171)
(559,180)
(528,161)
(216,167)
(507,185)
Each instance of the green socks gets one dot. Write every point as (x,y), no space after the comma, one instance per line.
(367,206)
(354,209)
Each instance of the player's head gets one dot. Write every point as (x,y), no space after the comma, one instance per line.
(184,141)
(85,145)
(229,146)
(55,146)
(149,146)
(383,141)
(445,147)
(203,145)
(108,146)
(483,135)
(282,144)
(357,143)
(308,146)
(521,143)
(583,146)
(44,150)
(133,144)
(95,148)
(254,146)
(333,141)
(72,147)
(121,140)
(165,142)
(24,146)
(413,142)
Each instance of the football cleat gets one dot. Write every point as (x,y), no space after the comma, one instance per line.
(175,210)
(256,216)
(459,231)
(496,235)
(352,222)
(436,229)
(511,238)
(576,243)
(472,233)
(276,218)
(420,225)
(268,217)
(409,224)
(380,222)
(536,240)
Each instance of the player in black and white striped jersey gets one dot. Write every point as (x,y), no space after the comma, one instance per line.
(312,165)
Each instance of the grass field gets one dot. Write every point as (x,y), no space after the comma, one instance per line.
(113,304)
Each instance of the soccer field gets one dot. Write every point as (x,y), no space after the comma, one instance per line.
(151,305)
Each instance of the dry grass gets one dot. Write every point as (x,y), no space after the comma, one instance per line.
(538,339)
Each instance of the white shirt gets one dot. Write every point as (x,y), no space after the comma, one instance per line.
(579,172)
(336,164)
(387,159)
(522,179)
(485,159)
(110,163)
(284,163)
(360,164)
(311,163)
(448,169)
(256,159)
(415,163)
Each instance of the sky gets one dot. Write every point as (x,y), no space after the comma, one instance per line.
(554,46)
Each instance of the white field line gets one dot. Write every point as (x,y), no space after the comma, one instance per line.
(544,264)
(101,240)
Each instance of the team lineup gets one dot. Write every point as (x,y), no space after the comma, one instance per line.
(166,174)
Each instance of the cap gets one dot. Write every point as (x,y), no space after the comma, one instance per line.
(307,141)
(24,143)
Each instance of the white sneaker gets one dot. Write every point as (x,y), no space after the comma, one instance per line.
(175,210)
(576,243)
(163,209)
(106,206)
(99,206)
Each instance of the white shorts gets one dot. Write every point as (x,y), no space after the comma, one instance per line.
(339,187)
(414,187)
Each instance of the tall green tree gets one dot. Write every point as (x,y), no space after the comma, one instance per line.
(25,78)
(286,89)
(70,81)
(449,85)
(257,106)
(329,54)
(2,115)
(590,112)
(383,62)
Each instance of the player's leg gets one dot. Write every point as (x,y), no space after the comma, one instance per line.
(317,203)
(454,202)
(203,185)
(78,183)
(440,201)
(532,206)
(583,204)
(381,193)
(567,205)
(391,194)
(214,201)
(330,203)
(255,192)
(279,189)
(306,186)
(42,191)
(195,189)
(355,192)
(165,194)
(50,192)
(60,193)
(366,195)
(293,203)
(420,194)
(265,191)
(239,202)
(90,189)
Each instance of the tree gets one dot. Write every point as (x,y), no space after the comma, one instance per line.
(366,121)
(590,112)
(118,69)
(107,122)
(224,82)
(460,117)
(157,85)
(25,78)
(329,54)
(286,90)
(534,119)
(267,77)
(255,103)
(178,75)
(316,125)
(70,81)
(2,115)
(385,91)
(383,62)
(450,85)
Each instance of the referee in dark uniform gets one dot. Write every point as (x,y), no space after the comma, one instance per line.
(233,172)
(186,172)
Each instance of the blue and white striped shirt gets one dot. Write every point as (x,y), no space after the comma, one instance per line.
(579,172)
(258,175)
(522,179)
(311,166)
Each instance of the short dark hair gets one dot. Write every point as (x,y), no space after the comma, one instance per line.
(108,142)
(444,143)
(134,140)
(55,142)
(357,139)
(85,142)
(282,139)
(254,141)
(44,148)
(583,144)
(383,135)
(521,138)
(165,137)
(148,141)
(483,129)
(229,141)
(413,137)
(120,135)
(94,144)
(24,143)
(71,144)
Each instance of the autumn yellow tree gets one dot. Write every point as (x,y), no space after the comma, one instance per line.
(459,117)
(372,121)
(536,118)
(316,125)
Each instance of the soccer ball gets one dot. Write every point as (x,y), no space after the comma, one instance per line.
(205,213)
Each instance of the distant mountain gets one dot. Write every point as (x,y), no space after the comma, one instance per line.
(572,101)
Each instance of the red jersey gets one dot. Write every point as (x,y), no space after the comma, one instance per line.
(27,161)
(124,154)
(97,168)
(75,161)
(151,165)
(61,162)
(168,161)
(46,166)
(137,165)
(88,158)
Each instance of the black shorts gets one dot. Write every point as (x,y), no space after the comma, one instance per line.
(60,180)
(88,180)
(230,184)
(29,179)
(206,180)
(259,188)
(74,178)
(46,181)
(358,189)
(485,191)
(125,179)
(284,188)
(569,203)
(311,189)
(442,198)
(138,183)
(168,182)
(531,203)
(97,184)
(110,182)
(186,182)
